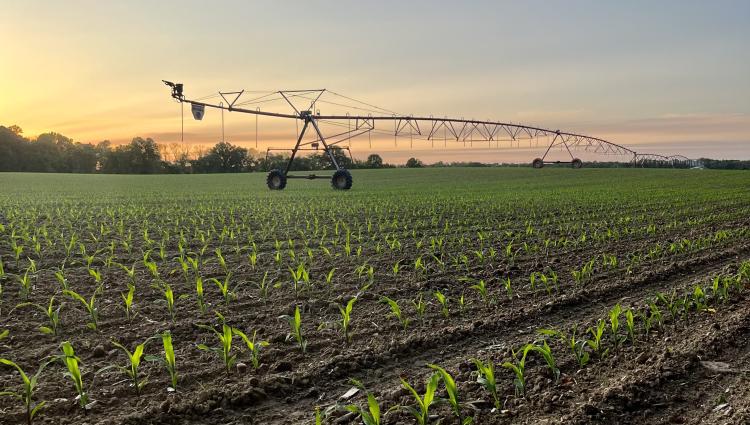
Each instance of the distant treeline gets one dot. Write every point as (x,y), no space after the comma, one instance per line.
(55,153)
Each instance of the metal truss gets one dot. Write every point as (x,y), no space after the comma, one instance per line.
(422,127)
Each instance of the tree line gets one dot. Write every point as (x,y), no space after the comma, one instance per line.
(56,153)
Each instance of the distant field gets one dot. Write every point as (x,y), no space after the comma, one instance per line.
(641,273)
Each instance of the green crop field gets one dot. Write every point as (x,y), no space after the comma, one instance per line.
(492,295)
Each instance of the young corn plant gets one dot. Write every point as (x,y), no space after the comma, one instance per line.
(443,300)
(129,271)
(299,275)
(199,294)
(61,279)
(26,394)
(371,416)
(481,288)
(699,299)
(519,369)
(224,288)
(170,361)
(614,322)
(90,306)
(26,285)
(630,325)
(671,303)
(486,378)
(419,307)
(127,299)
(263,286)
(595,343)
(295,324)
(169,298)
(508,288)
(452,391)
(252,346)
(654,320)
(396,311)
(52,313)
(223,350)
(421,410)
(72,363)
(720,288)
(546,354)
(131,368)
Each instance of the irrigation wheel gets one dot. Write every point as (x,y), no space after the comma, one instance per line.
(276,180)
(341,180)
(576,163)
(537,163)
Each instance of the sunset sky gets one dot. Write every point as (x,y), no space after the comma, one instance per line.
(668,77)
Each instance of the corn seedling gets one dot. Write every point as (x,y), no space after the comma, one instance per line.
(224,288)
(519,369)
(452,391)
(614,323)
(52,313)
(60,277)
(26,394)
(169,359)
(595,343)
(396,267)
(371,416)
(486,378)
(481,288)
(263,286)
(225,345)
(546,354)
(419,307)
(655,318)
(630,325)
(423,403)
(720,288)
(25,284)
(199,294)
(169,299)
(396,311)
(295,324)
(89,305)
(134,362)
(221,260)
(72,363)
(127,299)
(97,275)
(699,299)
(508,288)
(300,274)
(252,346)
(443,300)
(346,318)
(130,271)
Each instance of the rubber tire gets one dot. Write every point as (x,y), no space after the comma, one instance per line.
(341,180)
(276,180)
(576,163)
(537,163)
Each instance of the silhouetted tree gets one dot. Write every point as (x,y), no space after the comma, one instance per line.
(374,161)
(223,158)
(414,163)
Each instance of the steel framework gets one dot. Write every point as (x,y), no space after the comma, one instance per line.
(421,127)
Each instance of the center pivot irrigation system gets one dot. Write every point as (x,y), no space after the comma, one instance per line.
(425,128)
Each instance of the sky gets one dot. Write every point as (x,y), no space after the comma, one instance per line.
(670,77)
